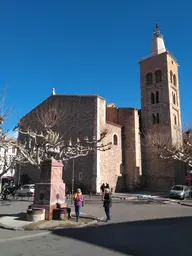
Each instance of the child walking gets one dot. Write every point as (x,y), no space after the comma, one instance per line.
(78,202)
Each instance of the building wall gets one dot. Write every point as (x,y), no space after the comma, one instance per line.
(7,155)
(110,161)
(159,173)
(131,145)
(82,116)
(79,119)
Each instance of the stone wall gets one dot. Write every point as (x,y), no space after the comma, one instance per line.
(131,146)
(79,119)
(111,160)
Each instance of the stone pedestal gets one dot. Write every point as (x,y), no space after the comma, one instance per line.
(51,190)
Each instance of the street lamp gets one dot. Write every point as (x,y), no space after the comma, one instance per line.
(73,180)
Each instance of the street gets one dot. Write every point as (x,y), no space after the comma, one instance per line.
(136,228)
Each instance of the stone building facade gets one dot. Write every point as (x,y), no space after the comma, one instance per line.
(82,116)
(129,161)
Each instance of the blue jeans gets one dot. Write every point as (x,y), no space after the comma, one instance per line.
(107,212)
(77,211)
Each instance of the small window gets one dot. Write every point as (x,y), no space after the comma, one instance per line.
(152,98)
(154,119)
(171,76)
(174,80)
(157,118)
(115,139)
(174,98)
(80,176)
(13,150)
(157,97)
(175,119)
(158,76)
(149,79)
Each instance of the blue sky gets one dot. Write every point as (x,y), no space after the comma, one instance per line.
(87,47)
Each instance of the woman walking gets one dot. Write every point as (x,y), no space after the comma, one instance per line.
(78,202)
(107,203)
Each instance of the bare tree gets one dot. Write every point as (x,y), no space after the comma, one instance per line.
(159,141)
(36,146)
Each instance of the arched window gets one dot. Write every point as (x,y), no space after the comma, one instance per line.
(157,97)
(152,98)
(171,76)
(174,98)
(154,119)
(149,78)
(158,76)
(175,119)
(115,139)
(174,80)
(157,118)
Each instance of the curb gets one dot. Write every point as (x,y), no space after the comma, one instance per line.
(184,204)
(2,226)
(93,220)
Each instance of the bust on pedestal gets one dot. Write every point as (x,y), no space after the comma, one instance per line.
(51,189)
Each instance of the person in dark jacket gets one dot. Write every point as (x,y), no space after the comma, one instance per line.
(107,203)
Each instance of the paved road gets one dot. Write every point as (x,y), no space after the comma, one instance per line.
(136,229)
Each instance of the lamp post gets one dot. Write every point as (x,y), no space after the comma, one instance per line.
(73,179)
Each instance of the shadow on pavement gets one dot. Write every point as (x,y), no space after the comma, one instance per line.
(171,236)
(18,216)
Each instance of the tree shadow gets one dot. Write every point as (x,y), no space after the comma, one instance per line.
(171,236)
(17,216)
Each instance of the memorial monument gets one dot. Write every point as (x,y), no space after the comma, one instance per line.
(51,189)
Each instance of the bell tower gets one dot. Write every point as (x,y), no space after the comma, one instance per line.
(160,102)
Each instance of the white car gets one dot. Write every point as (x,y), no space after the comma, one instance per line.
(26,190)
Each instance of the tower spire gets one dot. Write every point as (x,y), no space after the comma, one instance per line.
(157,32)
(158,45)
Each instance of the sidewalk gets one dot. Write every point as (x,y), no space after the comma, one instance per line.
(186,203)
(145,196)
(17,222)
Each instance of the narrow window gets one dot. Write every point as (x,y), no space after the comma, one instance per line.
(174,80)
(154,119)
(171,76)
(158,76)
(80,176)
(152,98)
(175,119)
(13,150)
(149,79)
(115,139)
(157,118)
(157,97)
(174,98)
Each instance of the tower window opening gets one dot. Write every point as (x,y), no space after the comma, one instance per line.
(154,118)
(174,98)
(157,118)
(157,97)
(149,78)
(171,76)
(174,80)
(158,76)
(115,139)
(152,98)
(175,119)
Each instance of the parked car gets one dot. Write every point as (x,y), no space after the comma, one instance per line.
(26,190)
(180,192)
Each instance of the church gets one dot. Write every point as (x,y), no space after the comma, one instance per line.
(129,164)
